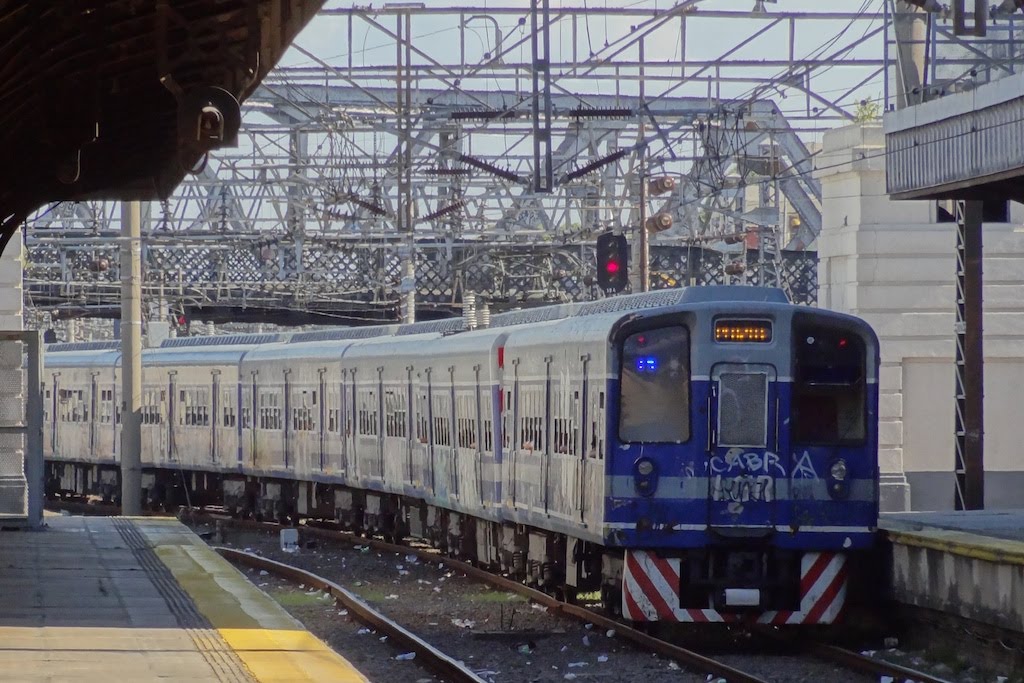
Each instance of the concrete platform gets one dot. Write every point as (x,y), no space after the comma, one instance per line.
(969,564)
(128,599)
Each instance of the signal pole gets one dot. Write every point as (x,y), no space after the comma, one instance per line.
(403,100)
(640,279)
(645,249)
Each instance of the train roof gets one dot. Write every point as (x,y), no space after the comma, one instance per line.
(329,350)
(477,341)
(64,347)
(225,340)
(77,358)
(195,355)
(333,343)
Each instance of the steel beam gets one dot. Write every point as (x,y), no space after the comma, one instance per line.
(970,379)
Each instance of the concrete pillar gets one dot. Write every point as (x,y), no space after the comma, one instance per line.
(893,264)
(910,30)
(12,381)
(131,358)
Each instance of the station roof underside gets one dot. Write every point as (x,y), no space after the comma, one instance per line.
(89,92)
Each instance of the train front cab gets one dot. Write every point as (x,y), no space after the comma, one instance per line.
(744,476)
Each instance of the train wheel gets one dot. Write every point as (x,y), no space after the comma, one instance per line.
(611,601)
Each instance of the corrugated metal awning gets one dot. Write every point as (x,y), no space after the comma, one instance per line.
(964,146)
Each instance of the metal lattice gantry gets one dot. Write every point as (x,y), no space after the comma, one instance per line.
(438,150)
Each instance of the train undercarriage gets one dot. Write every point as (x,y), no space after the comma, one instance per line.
(725,585)
(552,562)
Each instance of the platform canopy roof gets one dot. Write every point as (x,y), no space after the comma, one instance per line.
(964,146)
(90,92)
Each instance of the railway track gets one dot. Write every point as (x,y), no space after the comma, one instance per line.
(426,654)
(848,659)
(695,661)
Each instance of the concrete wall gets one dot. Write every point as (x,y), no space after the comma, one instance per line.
(12,396)
(894,265)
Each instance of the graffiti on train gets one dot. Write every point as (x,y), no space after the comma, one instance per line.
(745,476)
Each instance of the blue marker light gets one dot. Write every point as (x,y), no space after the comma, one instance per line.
(646,364)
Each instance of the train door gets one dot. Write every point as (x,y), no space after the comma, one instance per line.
(93,410)
(344,423)
(424,470)
(515,436)
(379,427)
(285,425)
(453,444)
(214,418)
(478,437)
(411,420)
(322,415)
(353,424)
(254,420)
(544,443)
(744,463)
(170,452)
(55,407)
(585,428)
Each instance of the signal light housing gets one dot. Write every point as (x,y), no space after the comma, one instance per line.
(612,262)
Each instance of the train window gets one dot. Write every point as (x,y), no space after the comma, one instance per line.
(488,431)
(394,414)
(532,427)
(829,387)
(466,432)
(743,409)
(655,388)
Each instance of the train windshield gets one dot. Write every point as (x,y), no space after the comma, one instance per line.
(829,386)
(654,405)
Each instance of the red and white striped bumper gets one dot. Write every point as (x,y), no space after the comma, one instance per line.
(650,592)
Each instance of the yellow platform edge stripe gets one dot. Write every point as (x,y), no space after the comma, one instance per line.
(963,544)
(270,642)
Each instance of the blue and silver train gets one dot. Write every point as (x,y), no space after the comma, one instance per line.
(699,454)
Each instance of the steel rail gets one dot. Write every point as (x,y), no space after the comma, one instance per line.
(869,665)
(692,660)
(427,655)
(831,653)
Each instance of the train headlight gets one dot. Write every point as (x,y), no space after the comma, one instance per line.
(838,484)
(838,470)
(645,477)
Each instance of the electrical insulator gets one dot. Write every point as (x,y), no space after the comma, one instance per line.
(661,185)
(659,222)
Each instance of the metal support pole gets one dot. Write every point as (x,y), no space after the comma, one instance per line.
(403,85)
(970,385)
(540,44)
(131,358)
(645,249)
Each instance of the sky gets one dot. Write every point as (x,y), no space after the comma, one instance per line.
(706,39)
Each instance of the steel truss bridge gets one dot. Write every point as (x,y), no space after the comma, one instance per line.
(441,151)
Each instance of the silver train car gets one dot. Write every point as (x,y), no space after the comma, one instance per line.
(701,454)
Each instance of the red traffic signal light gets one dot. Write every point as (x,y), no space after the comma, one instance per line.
(612,262)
